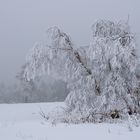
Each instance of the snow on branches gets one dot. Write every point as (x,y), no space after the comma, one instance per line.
(101,78)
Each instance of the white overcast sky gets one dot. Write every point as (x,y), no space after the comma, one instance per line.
(23,22)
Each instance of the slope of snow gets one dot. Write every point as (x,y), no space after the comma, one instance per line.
(23,122)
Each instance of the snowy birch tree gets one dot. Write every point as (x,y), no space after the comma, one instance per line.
(101,78)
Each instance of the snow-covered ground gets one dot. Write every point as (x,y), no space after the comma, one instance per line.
(23,122)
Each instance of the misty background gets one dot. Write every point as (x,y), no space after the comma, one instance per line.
(24,22)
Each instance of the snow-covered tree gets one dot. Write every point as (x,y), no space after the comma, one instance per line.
(101,78)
